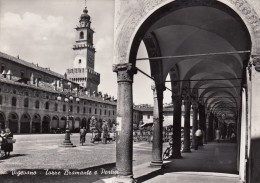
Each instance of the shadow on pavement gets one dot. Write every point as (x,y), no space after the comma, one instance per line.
(11,156)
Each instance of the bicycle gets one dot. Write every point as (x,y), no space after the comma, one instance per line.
(168,152)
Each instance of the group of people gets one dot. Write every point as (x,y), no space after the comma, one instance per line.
(104,136)
(6,138)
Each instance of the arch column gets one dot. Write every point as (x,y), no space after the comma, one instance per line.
(254,160)
(202,123)
(194,122)
(157,148)
(19,125)
(176,129)
(186,147)
(31,120)
(124,130)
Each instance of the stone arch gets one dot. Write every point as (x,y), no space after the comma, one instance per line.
(2,120)
(36,123)
(130,28)
(13,120)
(46,120)
(25,123)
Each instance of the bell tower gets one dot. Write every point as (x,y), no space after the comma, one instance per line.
(84,55)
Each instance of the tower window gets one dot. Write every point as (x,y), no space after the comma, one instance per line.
(81,35)
(79,61)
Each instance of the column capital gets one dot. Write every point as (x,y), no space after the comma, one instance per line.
(255,59)
(125,72)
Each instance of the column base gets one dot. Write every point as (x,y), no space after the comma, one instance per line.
(123,179)
(67,143)
(156,164)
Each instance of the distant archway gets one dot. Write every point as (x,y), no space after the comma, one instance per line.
(36,123)
(2,120)
(25,123)
(46,124)
(13,122)
(62,123)
(55,122)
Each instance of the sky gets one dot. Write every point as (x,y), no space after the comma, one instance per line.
(42,31)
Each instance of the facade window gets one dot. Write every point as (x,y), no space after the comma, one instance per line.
(22,74)
(105,112)
(14,100)
(1,99)
(2,68)
(113,113)
(78,109)
(26,102)
(148,116)
(81,35)
(89,110)
(64,108)
(47,105)
(108,113)
(79,61)
(95,111)
(71,108)
(84,110)
(55,107)
(14,91)
(100,111)
(37,104)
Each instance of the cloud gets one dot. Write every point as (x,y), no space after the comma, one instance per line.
(48,39)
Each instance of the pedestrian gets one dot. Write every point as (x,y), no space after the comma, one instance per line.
(9,145)
(198,139)
(217,134)
(233,137)
(105,132)
(83,133)
(3,143)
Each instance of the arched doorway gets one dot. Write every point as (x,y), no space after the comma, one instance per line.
(62,124)
(178,37)
(46,124)
(2,120)
(54,123)
(77,124)
(36,124)
(84,123)
(25,123)
(13,120)
(71,123)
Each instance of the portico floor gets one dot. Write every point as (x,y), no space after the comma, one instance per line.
(212,163)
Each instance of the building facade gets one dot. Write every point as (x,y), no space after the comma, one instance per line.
(29,93)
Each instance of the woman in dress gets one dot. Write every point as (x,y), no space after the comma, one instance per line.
(3,141)
(9,146)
